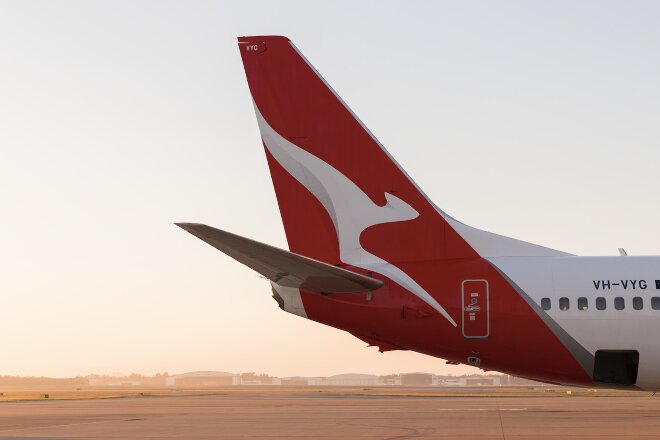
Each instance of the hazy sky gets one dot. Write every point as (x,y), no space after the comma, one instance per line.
(533,119)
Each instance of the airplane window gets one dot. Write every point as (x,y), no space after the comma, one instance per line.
(545,303)
(601,304)
(582,303)
(619,304)
(655,303)
(638,303)
(563,303)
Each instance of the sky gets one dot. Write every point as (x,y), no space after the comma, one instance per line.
(533,119)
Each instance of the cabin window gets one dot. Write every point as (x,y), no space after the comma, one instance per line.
(655,303)
(563,303)
(619,303)
(583,304)
(601,303)
(638,303)
(545,303)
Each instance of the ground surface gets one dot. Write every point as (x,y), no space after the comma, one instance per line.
(347,413)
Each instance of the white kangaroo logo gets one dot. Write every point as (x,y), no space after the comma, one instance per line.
(350,209)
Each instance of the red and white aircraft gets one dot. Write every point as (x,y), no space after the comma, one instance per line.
(372,255)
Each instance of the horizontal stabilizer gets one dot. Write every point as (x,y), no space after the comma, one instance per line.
(283,267)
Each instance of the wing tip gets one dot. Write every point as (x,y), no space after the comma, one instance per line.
(189,227)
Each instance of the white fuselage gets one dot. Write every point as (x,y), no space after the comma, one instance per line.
(610,328)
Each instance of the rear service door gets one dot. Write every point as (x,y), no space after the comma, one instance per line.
(476,319)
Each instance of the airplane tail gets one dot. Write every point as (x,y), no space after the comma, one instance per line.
(343,199)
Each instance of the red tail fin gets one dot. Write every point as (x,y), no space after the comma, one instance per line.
(337,188)
(341,195)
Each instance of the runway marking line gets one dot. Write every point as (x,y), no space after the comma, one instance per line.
(481,409)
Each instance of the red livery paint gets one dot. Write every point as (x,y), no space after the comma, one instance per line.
(296,102)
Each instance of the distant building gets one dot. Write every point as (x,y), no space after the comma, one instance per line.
(205,378)
(483,381)
(256,379)
(113,382)
(454,382)
(391,379)
(417,379)
(353,379)
(221,378)
(297,380)
(516,381)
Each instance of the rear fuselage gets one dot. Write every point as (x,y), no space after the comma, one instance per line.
(544,318)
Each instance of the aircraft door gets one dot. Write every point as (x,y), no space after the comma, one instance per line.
(476,310)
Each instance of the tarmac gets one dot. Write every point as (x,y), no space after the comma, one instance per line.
(338,413)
